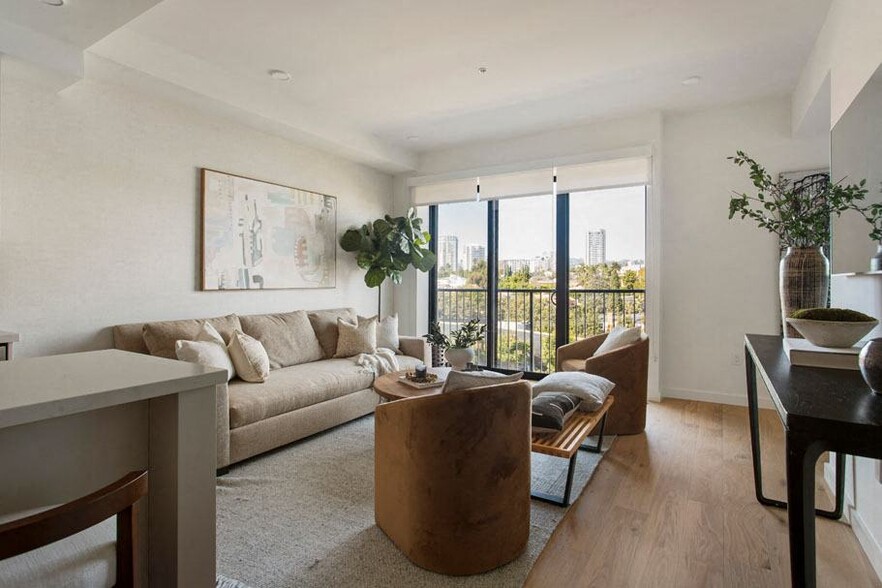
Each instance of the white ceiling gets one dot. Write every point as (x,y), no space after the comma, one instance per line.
(79,23)
(373,73)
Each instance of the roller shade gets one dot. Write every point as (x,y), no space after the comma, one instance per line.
(444,192)
(612,173)
(526,183)
(603,174)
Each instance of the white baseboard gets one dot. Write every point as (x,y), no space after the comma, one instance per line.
(715,397)
(869,543)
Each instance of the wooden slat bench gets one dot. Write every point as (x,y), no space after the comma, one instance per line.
(568,442)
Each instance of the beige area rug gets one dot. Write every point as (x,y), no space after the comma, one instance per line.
(303,516)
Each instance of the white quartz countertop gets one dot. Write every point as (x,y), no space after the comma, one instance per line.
(39,388)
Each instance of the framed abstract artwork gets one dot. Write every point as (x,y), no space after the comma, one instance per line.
(258,235)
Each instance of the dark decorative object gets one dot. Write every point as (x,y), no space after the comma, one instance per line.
(799,213)
(870,362)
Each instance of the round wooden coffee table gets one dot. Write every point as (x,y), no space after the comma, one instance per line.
(390,387)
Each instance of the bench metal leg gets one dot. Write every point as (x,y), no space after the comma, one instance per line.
(571,470)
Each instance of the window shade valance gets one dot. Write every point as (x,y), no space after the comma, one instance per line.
(614,173)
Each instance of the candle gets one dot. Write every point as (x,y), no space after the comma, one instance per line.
(420,370)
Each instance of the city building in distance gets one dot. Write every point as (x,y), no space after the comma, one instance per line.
(448,252)
(595,247)
(473,254)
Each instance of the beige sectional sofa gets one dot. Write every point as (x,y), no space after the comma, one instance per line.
(308,390)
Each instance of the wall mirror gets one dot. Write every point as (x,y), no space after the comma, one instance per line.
(857,154)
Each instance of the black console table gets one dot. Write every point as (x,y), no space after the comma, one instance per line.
(822,410)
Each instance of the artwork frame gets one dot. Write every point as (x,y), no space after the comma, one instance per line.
(262,235)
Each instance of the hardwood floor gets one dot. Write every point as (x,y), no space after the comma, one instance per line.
(675,507)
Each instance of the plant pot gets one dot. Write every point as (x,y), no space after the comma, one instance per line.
(459,357)
(870,362)
(804,276)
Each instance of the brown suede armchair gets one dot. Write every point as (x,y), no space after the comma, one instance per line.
(627,368)
(453,477)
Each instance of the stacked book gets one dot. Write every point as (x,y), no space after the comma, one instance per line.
(801,352)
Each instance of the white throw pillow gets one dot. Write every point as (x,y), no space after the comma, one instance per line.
(592,389)
(461,380)
(619,337)
(387,332)
(249,357)
(207,353)
(201,351)
(357,338)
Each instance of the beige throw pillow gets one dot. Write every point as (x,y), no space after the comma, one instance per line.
(324,323)
(387,332)
(463,380)
(619,337)
(353,339)
(249,357)
(287,337)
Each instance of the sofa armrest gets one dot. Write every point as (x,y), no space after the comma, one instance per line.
(581,349)
(223,425)
(416,347)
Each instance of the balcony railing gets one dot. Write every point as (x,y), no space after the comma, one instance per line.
(525,328)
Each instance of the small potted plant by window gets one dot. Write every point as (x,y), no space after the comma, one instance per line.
(458,344)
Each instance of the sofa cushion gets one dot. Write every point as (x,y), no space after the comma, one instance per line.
(324,323)
(287,337)
(160,337)
(295,387)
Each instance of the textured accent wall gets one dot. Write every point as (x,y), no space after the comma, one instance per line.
(99,210)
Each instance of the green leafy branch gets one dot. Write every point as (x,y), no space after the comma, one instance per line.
(470,333)
(801,218)
(388,246)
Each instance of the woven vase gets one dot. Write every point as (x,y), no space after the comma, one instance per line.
(804,282)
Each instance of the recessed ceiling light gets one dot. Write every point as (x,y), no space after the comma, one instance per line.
(279,74)
(482,70)
(53,2)
(413,138)
(692,81)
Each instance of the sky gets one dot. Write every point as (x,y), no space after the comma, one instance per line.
(526,225)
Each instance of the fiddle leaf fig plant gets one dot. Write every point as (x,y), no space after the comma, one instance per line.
(388,246)
(801,218)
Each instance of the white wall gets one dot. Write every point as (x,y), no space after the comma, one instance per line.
(100,211)
(720,276)
(848,49)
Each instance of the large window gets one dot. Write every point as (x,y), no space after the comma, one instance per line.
(540,270)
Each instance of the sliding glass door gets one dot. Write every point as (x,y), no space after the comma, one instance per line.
(541,271)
